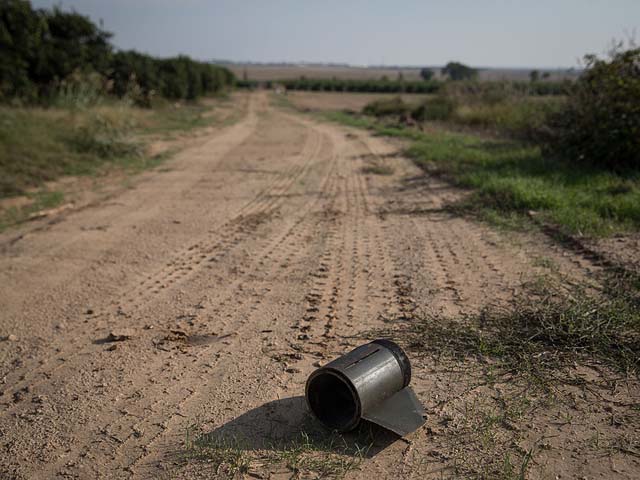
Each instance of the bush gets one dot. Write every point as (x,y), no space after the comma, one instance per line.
(600,123)
(104,137)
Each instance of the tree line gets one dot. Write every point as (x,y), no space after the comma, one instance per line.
(40,49)
(403,86)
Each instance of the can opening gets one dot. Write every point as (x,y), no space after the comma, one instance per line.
(333,401)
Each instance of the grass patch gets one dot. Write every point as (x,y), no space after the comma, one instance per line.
(302,457)
(39,145)
(41,200)
(179,117)
(543,330)
(511,177)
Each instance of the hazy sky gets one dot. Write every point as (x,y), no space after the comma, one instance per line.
(526,33)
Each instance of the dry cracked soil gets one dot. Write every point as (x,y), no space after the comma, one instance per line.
(198,300)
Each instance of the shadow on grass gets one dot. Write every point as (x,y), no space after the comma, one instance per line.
(538,334)
(282,424)
(282,435)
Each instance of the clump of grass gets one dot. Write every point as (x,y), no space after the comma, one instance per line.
(104,137)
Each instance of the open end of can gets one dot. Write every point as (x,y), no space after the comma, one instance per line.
(333,400)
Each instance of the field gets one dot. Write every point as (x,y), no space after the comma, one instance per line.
(165,326)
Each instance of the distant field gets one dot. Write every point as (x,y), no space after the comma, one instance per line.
(328,101)
(287,72)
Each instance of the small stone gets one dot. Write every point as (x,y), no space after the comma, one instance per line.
(120,335)
(292,370)
(89,311)
(12,338)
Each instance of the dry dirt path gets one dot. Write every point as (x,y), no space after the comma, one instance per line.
(255,255)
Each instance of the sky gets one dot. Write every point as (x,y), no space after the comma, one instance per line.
(490,33)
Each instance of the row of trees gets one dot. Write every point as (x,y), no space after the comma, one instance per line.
(41,48)
(381,86)
(402,86)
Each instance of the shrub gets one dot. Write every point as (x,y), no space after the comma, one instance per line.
(105,137)
(600,123)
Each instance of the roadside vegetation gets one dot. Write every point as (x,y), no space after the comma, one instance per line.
(571,161)
(70,104)
(40,145)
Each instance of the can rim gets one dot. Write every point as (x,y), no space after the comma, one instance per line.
(352,390)
(400,355)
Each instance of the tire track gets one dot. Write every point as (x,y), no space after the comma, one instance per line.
(235,230)
(274,254)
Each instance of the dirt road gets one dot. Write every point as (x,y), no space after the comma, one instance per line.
(208,291)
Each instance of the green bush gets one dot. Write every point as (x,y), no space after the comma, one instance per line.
(600,123)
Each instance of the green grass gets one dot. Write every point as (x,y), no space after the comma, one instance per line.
(512,180)
(510,177)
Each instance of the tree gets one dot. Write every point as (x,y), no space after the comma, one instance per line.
(73,42)
(22,31)
(459,71)
(426,74)
(534,75)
